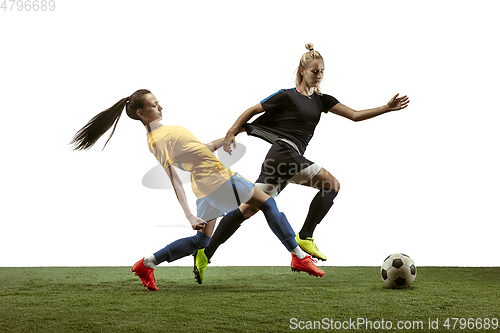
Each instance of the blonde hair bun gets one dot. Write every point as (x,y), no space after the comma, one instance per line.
(311,54)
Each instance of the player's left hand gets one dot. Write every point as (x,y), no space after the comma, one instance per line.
(230,139)
(398,103)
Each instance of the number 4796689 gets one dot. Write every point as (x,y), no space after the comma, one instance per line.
(28,5)
(471,323)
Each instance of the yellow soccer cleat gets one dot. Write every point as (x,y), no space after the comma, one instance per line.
(200,264)
(309,246)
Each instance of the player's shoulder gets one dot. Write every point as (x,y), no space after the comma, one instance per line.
(325,95)
(173,132)
(176,129)
(282,93)
(288,91)
(327,101)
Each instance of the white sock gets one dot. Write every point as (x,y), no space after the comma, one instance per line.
(299,252)
(150,261)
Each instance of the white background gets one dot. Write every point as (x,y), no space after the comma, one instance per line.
(423,181)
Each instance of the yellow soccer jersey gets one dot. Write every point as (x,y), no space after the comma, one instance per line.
(175,145)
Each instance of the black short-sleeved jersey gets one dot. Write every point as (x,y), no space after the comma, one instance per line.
(290,115)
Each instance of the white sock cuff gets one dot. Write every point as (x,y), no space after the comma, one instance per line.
(299,252)
(150,261)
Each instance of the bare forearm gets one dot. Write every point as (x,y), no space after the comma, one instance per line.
(396,103)
(214,145)
(369,113)
(238,126)
(196,222)
(244,118)
(179,191)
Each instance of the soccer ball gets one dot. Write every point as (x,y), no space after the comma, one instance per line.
(398,271)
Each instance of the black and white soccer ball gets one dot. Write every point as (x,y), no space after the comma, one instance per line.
(398,271)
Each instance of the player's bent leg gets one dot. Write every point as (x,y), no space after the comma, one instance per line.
(182,247)
(324,180)
(276,220)
(316,177)
(200,259)
(248,211)
(233,220)
(228,226)
(282,229)
(208,229)
(328,187)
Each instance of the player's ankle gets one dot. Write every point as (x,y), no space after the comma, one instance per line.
(299,253)
(150,262)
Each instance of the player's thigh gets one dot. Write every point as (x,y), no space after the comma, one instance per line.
(316,177)
(257,199)
(270,189)
(208,229)
(247,210)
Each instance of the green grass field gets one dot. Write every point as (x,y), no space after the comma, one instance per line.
(244,299)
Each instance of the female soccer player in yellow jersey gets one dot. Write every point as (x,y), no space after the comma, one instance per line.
(218,190)
(288,122)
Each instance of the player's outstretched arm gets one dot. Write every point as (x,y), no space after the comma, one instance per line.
(396,103)
(196,222)
(238,126)
(214,145)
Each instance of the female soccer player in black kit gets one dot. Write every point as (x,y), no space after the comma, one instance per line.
(288,123)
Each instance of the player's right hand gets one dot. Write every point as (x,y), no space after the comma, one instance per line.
(196,222)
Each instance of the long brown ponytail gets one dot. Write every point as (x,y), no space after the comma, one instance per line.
(87,136)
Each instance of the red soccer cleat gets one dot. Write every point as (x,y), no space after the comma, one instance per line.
(146,275)
(307,265)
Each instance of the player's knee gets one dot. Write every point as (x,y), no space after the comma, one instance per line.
(336,185)
(204,243)
(249,211)
(329,193)
(331,185)
(200,241)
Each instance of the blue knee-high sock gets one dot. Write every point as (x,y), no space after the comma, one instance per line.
(182,247)
(279,224)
